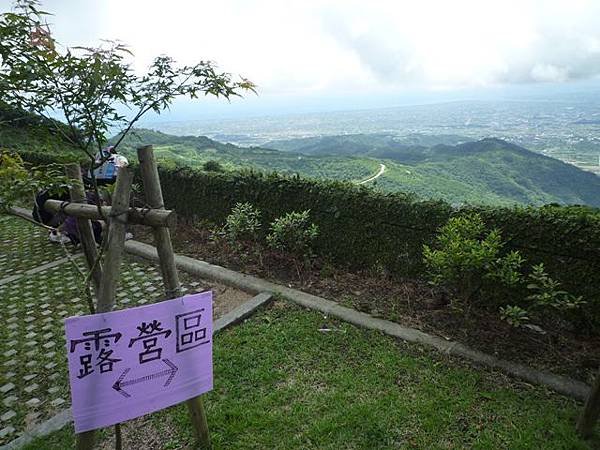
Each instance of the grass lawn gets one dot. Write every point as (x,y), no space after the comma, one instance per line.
(282,383)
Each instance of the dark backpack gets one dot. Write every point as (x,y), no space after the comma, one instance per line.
(41,215)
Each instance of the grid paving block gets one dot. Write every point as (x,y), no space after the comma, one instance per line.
(32,403)
(6,431)
(32,387)
(49,344)
(8,415)
(6,388)
(57,402)
(9,400)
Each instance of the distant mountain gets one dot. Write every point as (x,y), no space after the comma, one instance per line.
(493,168)
(489,171)
(377,145)
(195,151)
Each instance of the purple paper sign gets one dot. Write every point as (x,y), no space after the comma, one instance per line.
(125,364)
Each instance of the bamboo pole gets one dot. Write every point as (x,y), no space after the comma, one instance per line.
(112,264)
(150,217)
(162,238)
(84,226)
(591,411)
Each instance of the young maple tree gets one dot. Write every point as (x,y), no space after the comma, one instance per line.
(89,87)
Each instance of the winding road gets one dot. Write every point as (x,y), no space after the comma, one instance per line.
(374,177)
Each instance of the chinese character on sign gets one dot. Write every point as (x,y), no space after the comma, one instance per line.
(149,334)
(94,342)
(124,364)
(190,333)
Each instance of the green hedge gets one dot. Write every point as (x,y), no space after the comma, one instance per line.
(357,227)
(362,228)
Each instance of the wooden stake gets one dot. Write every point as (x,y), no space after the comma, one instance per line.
(162,238)
(116,241)
(591,411)
(151,217)
(86,440)
(84,226)
(112,264)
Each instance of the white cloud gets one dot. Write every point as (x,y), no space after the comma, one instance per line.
(324,46)
(549,72)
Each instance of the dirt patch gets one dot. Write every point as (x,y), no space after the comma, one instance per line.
(143,433)
(226,298)
(559,349)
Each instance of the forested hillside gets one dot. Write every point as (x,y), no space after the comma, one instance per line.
(378,145)
(194,151)
(20,130)
(489,171)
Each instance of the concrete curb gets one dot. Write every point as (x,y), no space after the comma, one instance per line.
(243,311)
(248,283)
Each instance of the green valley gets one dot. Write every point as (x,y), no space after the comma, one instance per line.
(446,166)
(489,171)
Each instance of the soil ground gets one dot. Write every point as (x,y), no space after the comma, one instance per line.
(558,348)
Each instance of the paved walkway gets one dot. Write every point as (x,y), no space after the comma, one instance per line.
(39,287)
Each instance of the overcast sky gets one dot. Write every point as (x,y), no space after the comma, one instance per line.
(344,48)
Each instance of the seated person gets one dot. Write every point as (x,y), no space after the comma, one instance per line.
(106,172)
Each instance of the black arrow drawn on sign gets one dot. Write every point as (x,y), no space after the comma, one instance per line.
(120,384)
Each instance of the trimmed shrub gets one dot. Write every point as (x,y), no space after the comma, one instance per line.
(293,233)
(243,224)
(467,258)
